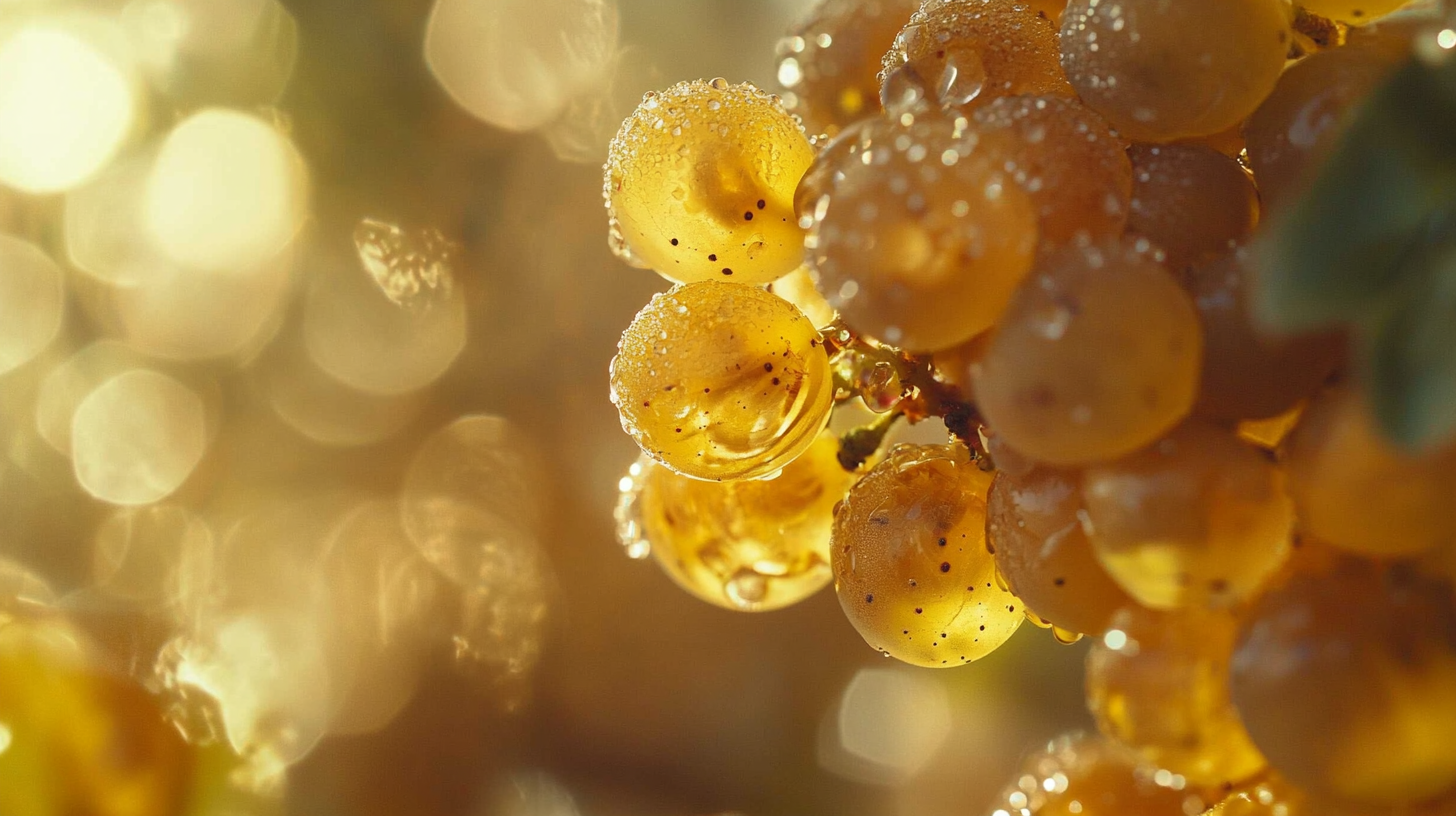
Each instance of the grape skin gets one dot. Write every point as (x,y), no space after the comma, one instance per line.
(911,567)
(700,180)
(722,381)
(1352,11)
(1161,71)
(1191,201)
(1080,775)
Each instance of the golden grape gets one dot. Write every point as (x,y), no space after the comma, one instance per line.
(1079,775)
(1161,71)
(918,241)
(1160,687)
(1351,11)
(1096,356)
(1345,677)
(1190,200)
(1199,519)
(966,52)
(722,381)
(1042,552)
(700,184)
(829,62)
(751,545)
(911,566)
(1073,168)
(1248,374)
(1357,491)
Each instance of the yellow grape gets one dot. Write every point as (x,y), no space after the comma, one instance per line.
(1042,552)
(1248,374)
(829,62)
(1158,684)
(1079,775)
(722,381)
(1190,200)
(700,184)
(911,567)
(1096,356)
(1357,491)
(1199,519)
(917,241)
(1357,12)
(1345,676)
(966,52)
(750,546)
(1161,71)
(1073,168)
(798,288)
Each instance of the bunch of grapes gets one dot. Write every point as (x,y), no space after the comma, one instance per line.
(1040,235)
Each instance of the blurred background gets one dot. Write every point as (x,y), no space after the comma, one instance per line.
(306,454)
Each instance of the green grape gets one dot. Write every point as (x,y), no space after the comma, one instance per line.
(1161,71)
(911,567)
(722,381)
(1078,775)
(917,240)
(1199,519)
(1158,684)
(1345,676)
(700,184)
(966,52)
(1042,552)
(749,546)
(1096,356)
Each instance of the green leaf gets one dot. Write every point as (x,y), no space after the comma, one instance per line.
(1346,246)
(1409,353)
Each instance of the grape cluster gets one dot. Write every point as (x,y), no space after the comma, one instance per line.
(1041,235)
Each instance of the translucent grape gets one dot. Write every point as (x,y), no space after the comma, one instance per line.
(911,566)
(829,62)
(1160,687)
(1078,775)
(1074,169)
(1161,71)
(917,241)
(1356,491)
(700,184)
(1041,551)
(965,52)
(1198,519)
(1190,200)
(1248,374)
(1346,679)
(722,381)
(750,546)
(798,288)
(1295,129)
(1351,11)
(1096,356)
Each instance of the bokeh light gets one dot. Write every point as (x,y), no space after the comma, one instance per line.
(228,191)
(137,437)
(32,302)
(66,101)
(888,725)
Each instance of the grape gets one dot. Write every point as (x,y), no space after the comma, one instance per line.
(1351,11)
(1160,687)
(1248,374)
(748,545)
(1295,129)
(1051,8)
(1077,775)
(1198,519)
(1073,168)
(1161,71)
(964,52)
(700,184)
(1356,491)
(910,562)
(1096,356)
(722,381)
(1190,200)
(1041,551)
(1271,796)
(829,62)
(1346,679)
(798,288)
(918,242)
